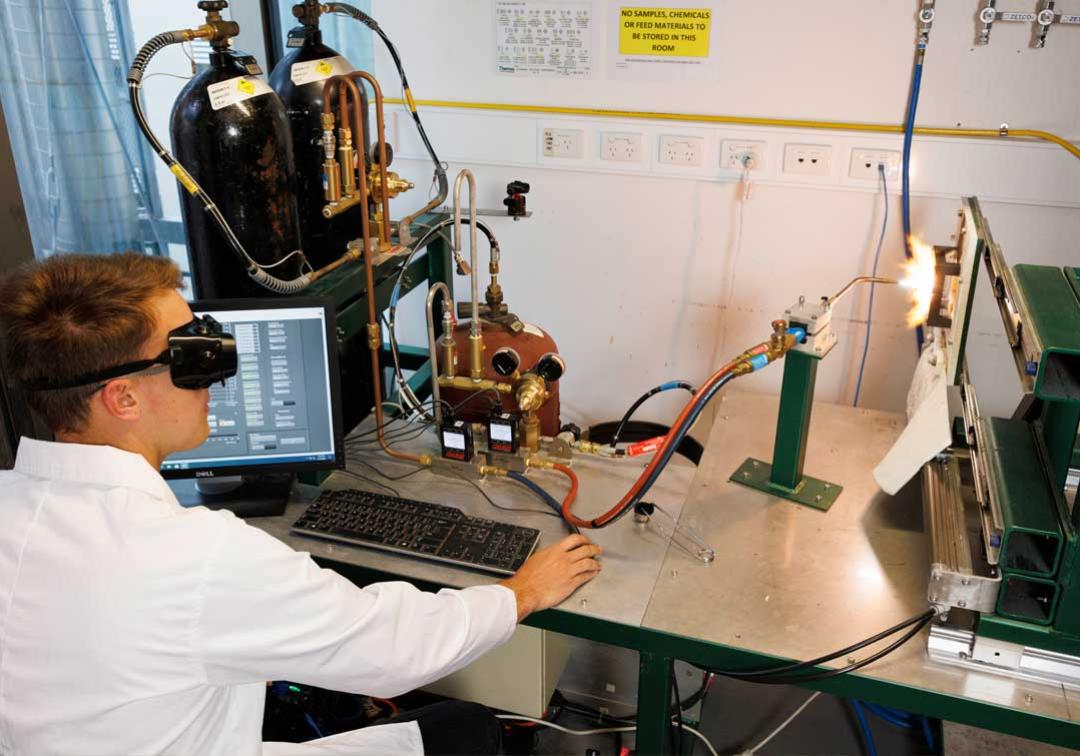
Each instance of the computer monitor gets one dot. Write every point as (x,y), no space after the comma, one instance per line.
(279,415)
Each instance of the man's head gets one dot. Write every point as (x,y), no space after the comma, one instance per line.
(73,315)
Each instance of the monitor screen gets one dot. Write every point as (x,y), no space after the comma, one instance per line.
(281,411)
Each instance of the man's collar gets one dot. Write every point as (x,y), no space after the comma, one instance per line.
(86,463)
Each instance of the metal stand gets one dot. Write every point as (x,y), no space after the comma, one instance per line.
(784,477)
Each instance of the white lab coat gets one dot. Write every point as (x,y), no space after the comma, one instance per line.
(130,625)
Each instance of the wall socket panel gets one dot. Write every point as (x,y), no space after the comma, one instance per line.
(681,150)
(736,154)
(564,143)
(865,162)
(625,147)
(808,159)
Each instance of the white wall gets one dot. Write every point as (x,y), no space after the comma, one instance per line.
(632,271)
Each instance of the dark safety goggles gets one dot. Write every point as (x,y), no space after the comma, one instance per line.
(200,354)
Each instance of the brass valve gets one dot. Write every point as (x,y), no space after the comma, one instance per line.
(530,392)
(395,185)
(216,30)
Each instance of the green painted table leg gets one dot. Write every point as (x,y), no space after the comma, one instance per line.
(654,693)
(784,477)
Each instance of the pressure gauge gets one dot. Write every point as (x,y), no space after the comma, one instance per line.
(550,367)
(505,361)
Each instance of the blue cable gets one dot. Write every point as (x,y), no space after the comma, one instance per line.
(894,717)
(543,495)
(313,725)
(864,728)
(870,307)
(905,196)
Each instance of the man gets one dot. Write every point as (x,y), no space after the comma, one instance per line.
(129,624)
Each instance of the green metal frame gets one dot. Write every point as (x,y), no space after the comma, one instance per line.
(1029,459)
(347,288)
(784,477)
(659,650)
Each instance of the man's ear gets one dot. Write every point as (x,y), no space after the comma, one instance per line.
(120,400)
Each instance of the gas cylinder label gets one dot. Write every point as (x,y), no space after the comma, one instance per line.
(234,91)
(319,70)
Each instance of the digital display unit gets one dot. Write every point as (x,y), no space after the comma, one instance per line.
(281,412)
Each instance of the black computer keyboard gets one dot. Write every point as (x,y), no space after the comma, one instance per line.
(419,529)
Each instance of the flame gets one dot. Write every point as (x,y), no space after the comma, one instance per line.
(919,279)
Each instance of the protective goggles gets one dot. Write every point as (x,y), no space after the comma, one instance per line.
(200,354)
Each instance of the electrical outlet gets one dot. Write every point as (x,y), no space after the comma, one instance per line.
(564,143)
(737,154)
(865,161)
(682,150)
(622,146)
(808,159)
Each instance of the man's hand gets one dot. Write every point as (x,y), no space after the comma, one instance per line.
(552,574)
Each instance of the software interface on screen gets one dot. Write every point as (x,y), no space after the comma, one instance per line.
(276,409)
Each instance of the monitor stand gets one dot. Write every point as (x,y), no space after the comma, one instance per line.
(249,496)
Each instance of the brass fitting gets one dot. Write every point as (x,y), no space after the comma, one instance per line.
(346,159)
(587,447)
(425,460)
(538,463)
(476,356)
(530,392)
(530,431)
(340,206)
(468,384)
(374,336)
(779,331)
(395,185)
(493,470)
(447,344)
(332,180)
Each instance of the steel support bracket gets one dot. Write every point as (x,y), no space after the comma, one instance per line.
(784,477)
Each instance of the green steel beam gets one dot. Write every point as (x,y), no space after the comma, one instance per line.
(1046,299)
(701,653)
(784,477)
(654,697)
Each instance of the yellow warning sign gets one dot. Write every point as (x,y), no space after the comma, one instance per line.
(680,32)
(245,86)
(324,68)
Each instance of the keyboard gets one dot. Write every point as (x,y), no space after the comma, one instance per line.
(417,529)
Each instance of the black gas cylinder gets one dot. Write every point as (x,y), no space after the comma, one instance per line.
(230,131)
(298,80)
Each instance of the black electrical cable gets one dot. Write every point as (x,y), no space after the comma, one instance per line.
(773,676)
(492,502)
(543,495)
(825,675)
(645,397)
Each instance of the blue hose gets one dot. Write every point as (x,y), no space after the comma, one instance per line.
(541,494)
(864,728)
(905,193)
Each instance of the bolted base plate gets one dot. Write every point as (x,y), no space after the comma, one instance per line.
(810,492)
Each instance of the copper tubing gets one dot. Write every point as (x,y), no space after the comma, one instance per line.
(433,356)
(374,334)
(380,125)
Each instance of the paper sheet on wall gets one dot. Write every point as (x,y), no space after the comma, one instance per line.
(543,39)
(927,432)
(653,40)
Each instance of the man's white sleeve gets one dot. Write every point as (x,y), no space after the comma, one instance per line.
(270,613)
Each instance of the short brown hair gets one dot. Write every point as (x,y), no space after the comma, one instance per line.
(69,315)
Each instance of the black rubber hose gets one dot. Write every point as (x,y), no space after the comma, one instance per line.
(680,433)
(368,21)
(795,666)
(644,398)
(642,430)
(134,79)
(825,675)
(543,495)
